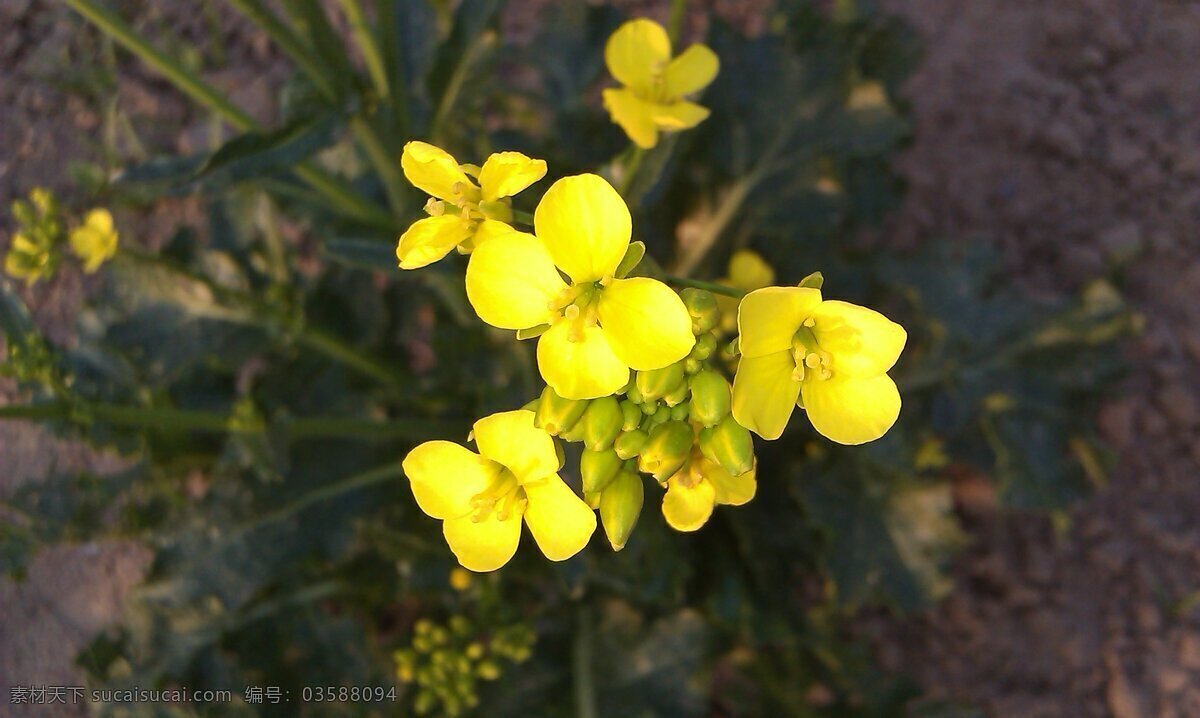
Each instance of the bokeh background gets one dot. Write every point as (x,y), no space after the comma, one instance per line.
(1066,135)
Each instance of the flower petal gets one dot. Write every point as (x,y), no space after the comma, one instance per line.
(432,170)
(764,393)
(585,369)
(691,71)
(852,410)
(768,318)
(646,323)
(511,280)
(444,476)
(731,490)
(585,225)
(561,522)
(680,115)
(633,114)
(511,439)
(485,545)
(749,271)
(636,52)
(862,341)
(430,239)
(688,508)
(507,173)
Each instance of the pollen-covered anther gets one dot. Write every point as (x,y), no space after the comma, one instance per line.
(435,207)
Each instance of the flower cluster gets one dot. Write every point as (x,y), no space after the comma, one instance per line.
(37,245)
(635,371)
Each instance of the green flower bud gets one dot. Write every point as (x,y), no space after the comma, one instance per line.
(631,415)
(666,450)
(630,443)
(702,305)
(649,407)
(706,344)
(632,393)
(678,395)
(691,366)
(729,444)
(710,397)
(657,383)
(601,423)
(555,414)
(592,499)
(681,412)
(598,468)
(575,433)
(661,416)
(620,507)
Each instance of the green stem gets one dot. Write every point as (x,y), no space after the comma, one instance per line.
(675,22)
(581,656)
(524,218)
(338,191)
(632,164)
(709,286)
(334,348)
(367,45)
(386,167)
(450,95)
(356,482)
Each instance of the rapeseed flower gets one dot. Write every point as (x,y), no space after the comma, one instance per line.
(748,271)
(483,497)
(596,327)
(830,357)
(698,488)
(95,241)
(467,203)
(651,100)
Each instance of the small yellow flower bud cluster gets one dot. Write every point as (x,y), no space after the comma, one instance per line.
(37,245)
(446,662)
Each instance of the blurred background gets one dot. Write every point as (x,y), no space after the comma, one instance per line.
(1061,139)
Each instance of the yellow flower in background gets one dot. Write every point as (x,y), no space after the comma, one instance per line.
(698,488)
(747,271)
(467,204)
(599,327)
(483,498)
(95,242)
(28,260)
(639,56)
(831,357)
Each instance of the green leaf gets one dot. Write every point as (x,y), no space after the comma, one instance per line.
(629,262)
(255,153)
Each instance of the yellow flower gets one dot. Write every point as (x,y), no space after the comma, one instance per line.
(462,212)
(747,271)
(29,260)
(831,357)
(599,327)
(639,56)
(694,491)
(482,498)
(95,242)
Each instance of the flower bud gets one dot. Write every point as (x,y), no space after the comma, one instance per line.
(575,433)
(681,412)
(598,468)
(705,345)
(691,366)
(661,416)
(710,397)
(657,383)
(592,499)
(555,414)
(649,407)
(631,415)
(730,445)
(632,393)
(630,443)
(620,506)
(678,395)
(601,423)
(666,450)
(702,306)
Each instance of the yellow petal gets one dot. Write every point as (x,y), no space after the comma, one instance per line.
(764,393)
(680,115)
(430,239)
(444,476)
(488,229)
(585,369)
(507,173)
(100,220)
(688,508)
(692,71)
(432,170)
(768,318)
(646,323)
(511,439)
(634,115)
(636,52)
(749,271)
(731,490)
(862,341)
(852,410)
(585,225)
(511,280)
(485,545)
(561,522)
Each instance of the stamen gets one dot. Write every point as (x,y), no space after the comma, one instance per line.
(810,322)
(435,207)
(812,361)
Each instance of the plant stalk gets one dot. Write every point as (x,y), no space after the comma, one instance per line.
(709,286)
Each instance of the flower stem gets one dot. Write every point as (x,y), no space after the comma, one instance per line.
(581,657)
(675,22)
(362,480)
(524,218)
(633,162)
(709,286)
